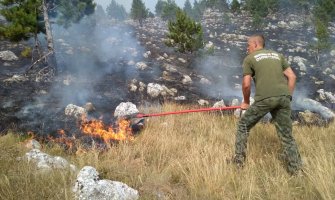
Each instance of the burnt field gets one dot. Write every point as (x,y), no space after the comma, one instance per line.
(114,63)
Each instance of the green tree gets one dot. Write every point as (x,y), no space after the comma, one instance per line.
(138,11)
(262,7)
(23,18)
(159,7)
(99,13)
(198,9)
(116,11)
(235,6)
(324,11)
(188,8)
(217,4)
(184,33)
(170,10)
(72,11)
(27,18)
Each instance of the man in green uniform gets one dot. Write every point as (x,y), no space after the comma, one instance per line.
(274,84)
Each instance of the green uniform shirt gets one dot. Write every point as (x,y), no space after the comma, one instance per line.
(266,68)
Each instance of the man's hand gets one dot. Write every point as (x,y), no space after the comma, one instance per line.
(244,106)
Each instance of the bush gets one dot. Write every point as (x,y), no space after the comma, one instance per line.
(184,33)
(26,52)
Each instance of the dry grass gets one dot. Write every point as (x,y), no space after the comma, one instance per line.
(184,157)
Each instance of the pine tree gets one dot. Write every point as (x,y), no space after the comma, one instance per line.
(22,17)
(116,11)
(188,8)
(324,11)
(235,6)
(217,4)
(27,18)
(71,11)
(138,11)
(184,33)
(170,10)
(159,7)
(197,11)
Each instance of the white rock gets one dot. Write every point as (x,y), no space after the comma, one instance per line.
(75,111)
(90,187)
(205,81)
(154,89)
(282,24)
(124,109)
(45,161)
(182,60)
(332,53)
(219,104)
(132,87)
(141,65)
(186,80)
(8,56)
(33,144)
(169,67)
(142,86)
(301,62)
(180,98)
(15,78)
(203,102)
(147,54)
(209,45)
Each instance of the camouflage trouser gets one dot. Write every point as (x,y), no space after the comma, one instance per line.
(280,109)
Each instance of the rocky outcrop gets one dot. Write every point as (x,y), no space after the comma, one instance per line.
(75,111)
(89,186)
(47,162)
(124,109)
(8,56)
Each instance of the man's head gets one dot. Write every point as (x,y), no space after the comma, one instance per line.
(255,42)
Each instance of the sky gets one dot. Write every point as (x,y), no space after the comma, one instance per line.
(148,3)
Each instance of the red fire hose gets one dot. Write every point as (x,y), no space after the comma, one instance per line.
(140,115)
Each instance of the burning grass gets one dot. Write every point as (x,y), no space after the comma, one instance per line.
(184,157)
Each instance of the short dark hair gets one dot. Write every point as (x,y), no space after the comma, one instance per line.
(260,38)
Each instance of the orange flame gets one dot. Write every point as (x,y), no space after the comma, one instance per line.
(63,139)
(107,133)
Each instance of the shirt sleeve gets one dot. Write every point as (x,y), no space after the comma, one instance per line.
(247,67)
(284,62)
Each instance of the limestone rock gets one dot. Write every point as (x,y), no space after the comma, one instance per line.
(141,65)
(124,109)
(219,104)
(45,161)
(75,111)
(154,90)
(186,80)
(203,102)
(8,56)
(89,186)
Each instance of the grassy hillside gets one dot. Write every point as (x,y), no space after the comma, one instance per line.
(184,157)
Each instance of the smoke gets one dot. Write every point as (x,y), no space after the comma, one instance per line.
(93,59)
(91,52)
(224,71)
